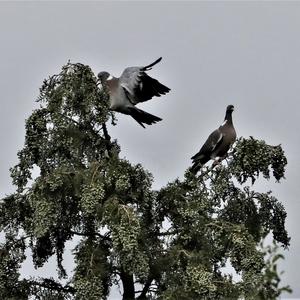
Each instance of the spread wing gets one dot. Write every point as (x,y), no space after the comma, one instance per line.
(139,86)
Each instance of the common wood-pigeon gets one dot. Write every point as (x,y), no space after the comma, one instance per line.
(217,144)
(132,87)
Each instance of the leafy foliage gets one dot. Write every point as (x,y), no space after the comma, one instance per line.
(174,242)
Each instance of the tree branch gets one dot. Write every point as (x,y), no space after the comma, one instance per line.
(143,295)
(53,285)
(166,233)
(86,234)
(105,132)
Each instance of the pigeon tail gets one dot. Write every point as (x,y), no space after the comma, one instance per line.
(195,168)
(143,117)
(199,160)
(146,68)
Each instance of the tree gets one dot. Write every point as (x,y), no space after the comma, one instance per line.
(168,244)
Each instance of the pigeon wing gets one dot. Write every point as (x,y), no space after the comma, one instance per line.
(212,142)
(139,85)
(130,80)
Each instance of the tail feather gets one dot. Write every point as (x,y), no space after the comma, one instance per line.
(195,168)
(198,162)
(143,117)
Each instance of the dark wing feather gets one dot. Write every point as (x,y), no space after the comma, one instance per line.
(212,142)
(149,67)
(204,155)
(149,87)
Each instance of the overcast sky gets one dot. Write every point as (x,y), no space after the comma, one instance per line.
(214,54)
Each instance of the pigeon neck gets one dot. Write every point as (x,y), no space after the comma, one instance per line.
(228,117)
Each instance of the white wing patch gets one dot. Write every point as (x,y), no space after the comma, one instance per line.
(219,139)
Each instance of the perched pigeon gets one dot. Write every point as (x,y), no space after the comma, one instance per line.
(217,144)
(132,87)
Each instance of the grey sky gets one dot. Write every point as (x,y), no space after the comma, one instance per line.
(214,54)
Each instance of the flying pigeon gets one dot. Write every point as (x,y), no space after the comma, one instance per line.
(217,144)
(132,87)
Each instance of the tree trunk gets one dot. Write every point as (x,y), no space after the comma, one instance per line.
(128,285)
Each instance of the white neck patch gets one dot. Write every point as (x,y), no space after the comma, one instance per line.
(224,123)
(110,77)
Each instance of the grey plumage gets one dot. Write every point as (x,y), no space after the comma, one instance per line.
(132,87)
(217,144)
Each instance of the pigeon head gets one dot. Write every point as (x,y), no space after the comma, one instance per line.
(228,115)
(103,76)
(230,108)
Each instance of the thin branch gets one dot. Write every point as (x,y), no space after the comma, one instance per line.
(53,285)
(167,233)
(69,118)
(104,237)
